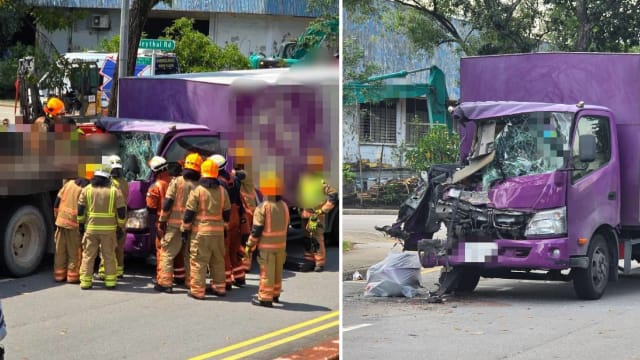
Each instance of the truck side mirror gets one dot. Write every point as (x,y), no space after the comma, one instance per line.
(587,148)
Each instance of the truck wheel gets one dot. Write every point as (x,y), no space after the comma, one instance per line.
(468,279)
(590,283)
(23,242)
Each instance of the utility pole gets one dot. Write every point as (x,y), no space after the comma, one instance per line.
(124,46)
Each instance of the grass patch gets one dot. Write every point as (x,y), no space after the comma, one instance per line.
(346,246)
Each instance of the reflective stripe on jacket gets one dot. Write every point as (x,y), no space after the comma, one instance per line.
(274,217)
(101,204)
(179,190)
(208,204)
(68,209)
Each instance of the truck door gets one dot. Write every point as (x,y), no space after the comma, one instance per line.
(593,196)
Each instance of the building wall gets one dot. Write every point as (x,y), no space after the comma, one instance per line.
(252,33)
(255,33)
(394,52)
(369,151)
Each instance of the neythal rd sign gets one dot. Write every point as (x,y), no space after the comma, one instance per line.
(156,44)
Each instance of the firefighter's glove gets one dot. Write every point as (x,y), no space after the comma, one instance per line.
(313,224)
(81,229)
(162,228)
(119,233)
(247,251)
(185,236)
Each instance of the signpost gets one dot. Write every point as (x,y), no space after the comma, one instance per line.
(156,44)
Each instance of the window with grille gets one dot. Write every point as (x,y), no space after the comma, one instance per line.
(378,122)
(417,120)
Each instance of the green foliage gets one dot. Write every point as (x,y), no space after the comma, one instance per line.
(9,68)
(196,52)
(10,21)
(110,45)
(594,25)
(348,176)
(508,26)
(439,146)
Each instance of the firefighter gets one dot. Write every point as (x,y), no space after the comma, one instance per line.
(67,239)
(53,111)
(101,219)
(269,235)
(117,180)
(170,220)
(155,198)
(316,219)
(207,210)
(234,266)
(249,204)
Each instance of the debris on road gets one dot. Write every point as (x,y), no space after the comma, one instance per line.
(357,276)
(397,275)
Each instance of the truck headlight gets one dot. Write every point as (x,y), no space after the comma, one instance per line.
(137,219)
(548,222)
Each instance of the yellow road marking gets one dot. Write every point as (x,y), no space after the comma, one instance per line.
(283,341)
(430,270)
(266,336)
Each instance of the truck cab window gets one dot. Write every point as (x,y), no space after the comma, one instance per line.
(183,145)
(599,127)
(142,146)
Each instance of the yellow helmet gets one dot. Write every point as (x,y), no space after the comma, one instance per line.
(54,107)
(270,184)
(193,161)
(209,169)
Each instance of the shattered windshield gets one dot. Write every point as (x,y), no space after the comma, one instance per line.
(527,144)
(138,147)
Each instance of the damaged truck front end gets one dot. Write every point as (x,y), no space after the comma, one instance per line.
(506,206)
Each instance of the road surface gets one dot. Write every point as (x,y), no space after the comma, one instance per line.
(502,319)
(59,321)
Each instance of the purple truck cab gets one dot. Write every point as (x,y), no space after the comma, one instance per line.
(548,184)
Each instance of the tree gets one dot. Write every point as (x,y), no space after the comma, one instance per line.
(477,27)
(138,15)
(595,25)
(196,52)
(110,45)
(438,146)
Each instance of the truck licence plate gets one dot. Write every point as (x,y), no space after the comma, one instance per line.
(480,252)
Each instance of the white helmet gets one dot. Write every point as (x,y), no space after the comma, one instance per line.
(219,160)
(158,163)
(115,162)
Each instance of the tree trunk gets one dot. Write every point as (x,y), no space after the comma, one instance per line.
(137,19)
(583,36)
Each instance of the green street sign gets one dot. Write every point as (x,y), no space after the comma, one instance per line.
(143,61)
(155,44)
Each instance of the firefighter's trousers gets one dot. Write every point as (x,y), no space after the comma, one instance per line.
(91,244)
(68,255)
(207,251)
(171,248)
(271,264)
(319,257)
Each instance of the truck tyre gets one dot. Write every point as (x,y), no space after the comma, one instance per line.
(590,283)
(23,241)
(468,280)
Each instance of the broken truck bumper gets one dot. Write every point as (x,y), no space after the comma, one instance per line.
(139,244)
(551,254)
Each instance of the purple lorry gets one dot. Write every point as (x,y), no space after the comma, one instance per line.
(548,181)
